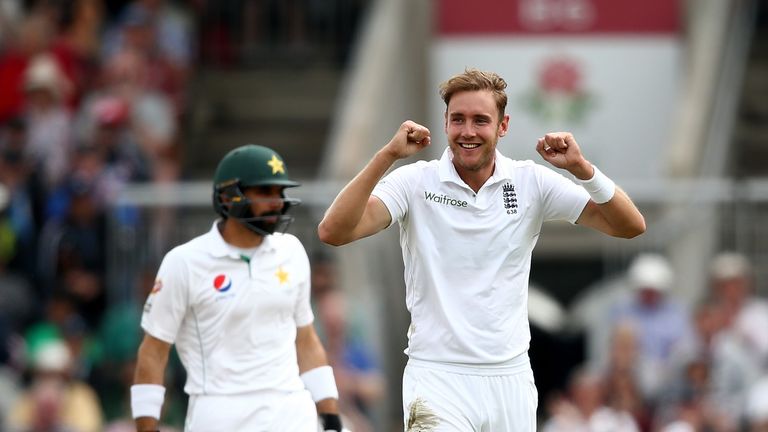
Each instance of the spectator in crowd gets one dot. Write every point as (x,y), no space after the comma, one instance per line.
(16,303)
(131,123)
(711,371)
(17,237)
(62,321)
(73,249)
(161,36)
(54,400)
(48,119)
(585,409)
(689,419)
(31,38)
(324,276)
(660,320)
(37,35)
(622,374)
(22,213)
(174,31)
(342,328)
(359,380)
(697,410)
(642,299)
(732,285)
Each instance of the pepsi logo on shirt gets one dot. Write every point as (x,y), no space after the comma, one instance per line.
(222,283)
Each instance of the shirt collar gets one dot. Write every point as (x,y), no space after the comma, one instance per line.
(219,248)
(448,173)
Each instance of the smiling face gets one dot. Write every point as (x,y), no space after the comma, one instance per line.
(473,126)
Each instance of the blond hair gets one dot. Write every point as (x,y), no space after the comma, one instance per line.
(476,80)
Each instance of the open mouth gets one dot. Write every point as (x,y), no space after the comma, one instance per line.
(469,146)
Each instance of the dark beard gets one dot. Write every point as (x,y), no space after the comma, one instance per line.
(265,227)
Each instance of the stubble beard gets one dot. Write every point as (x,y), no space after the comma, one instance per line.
(485,159)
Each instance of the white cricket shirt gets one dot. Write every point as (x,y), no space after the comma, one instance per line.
(467,256)
(233,322)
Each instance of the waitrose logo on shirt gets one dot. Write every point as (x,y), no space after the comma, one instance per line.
(444,199)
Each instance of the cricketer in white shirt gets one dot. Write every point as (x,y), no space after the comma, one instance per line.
(467,255)
(235,303)
(233,320)
(468,226)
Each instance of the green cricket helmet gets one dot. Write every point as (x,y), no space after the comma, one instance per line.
(248,166)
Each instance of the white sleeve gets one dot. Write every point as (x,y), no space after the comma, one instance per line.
(393,191)
(166,305)
(562,199)
(302,313)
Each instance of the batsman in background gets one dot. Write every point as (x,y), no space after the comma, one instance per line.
(235,302)
(468,225)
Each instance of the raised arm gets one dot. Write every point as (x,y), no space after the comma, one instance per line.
(147,393)
(618,217)
(354,213)
(610,210)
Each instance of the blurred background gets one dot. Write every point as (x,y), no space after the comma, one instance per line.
(114,113)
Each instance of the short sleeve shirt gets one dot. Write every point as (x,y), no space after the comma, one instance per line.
(233,320)
(467,255)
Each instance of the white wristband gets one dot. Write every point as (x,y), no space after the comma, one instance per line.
(599,187)
(147,400)
(320,383)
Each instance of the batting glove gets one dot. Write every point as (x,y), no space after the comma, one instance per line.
(331,423)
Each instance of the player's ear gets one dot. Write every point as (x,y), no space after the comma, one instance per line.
(504,125)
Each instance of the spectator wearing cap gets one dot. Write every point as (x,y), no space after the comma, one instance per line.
(660,321)
(33,38)
(48,119)
(54,401)
(732,285)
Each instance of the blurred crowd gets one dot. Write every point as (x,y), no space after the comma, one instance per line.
(657,363)
(92,96)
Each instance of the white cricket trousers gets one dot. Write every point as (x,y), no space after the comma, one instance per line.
(451,398)
(267,411)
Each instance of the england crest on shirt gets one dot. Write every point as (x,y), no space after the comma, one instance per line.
(509,197)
